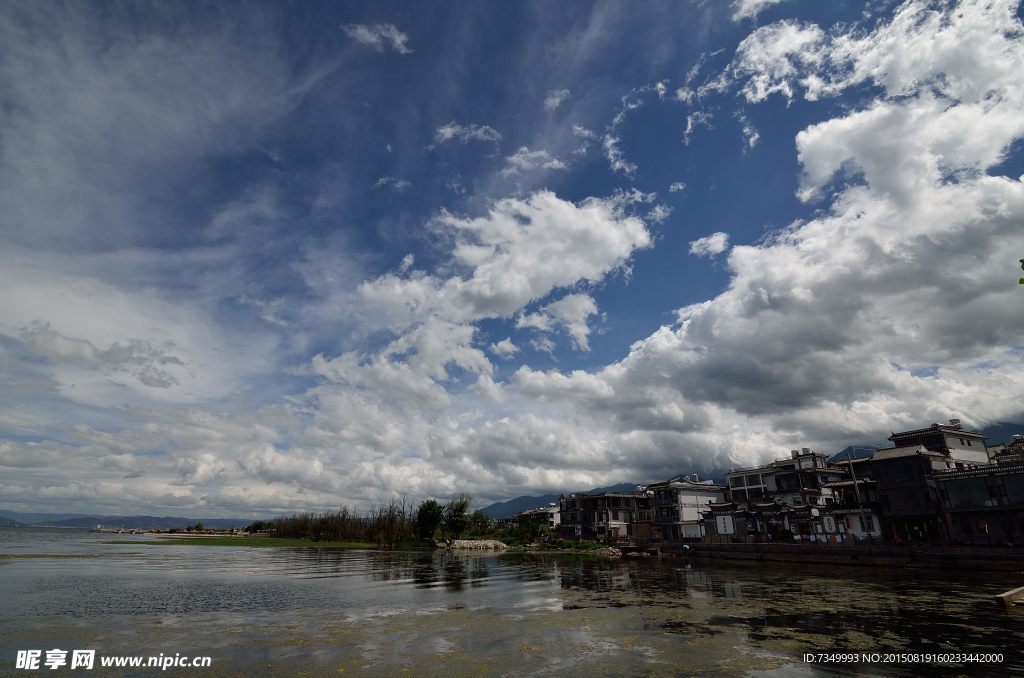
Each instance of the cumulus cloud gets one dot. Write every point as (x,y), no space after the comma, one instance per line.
(710,245)
(676,186)
(504,348)
(571,313)
(555,98)
(821,338)
(812,341)
(454,131)
(379,36)
(518,252)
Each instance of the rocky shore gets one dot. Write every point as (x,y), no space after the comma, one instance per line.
(476,544)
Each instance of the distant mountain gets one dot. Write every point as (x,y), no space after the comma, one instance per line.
(1001,432)
(29,518)
(143,522)
(506,509)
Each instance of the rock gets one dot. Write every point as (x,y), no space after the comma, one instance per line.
(478,544)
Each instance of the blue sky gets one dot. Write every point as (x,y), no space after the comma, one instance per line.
(261,258)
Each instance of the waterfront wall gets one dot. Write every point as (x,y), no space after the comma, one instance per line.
(948,559)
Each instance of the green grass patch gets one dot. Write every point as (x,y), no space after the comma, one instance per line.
(259,542)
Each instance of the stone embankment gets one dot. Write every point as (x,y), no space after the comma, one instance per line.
(949,558)
(477,544)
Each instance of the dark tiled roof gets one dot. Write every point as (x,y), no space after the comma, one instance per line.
(901,452)
(980,471)
(944,428)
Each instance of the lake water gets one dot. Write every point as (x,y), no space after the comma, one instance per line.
(336,612)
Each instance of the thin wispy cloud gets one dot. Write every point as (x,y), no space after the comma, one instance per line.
(556,98)
(395,183)
(454,131)
(525,160)
(381,37)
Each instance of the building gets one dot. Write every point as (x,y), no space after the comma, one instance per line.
(800,480)
(984,505)
(679,506)
(855,506)
(908,495)
(964,448)
(1011,453)
(606,516)
(548,517)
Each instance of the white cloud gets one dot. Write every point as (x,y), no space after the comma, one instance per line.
(504,348)
(399,185)
(107,131)
(379,36)
(676,186)
(693,121)
(518,252)
(816,341)
(431,347)
(555,98)
(571,313)
(710,245)
(616,160)
(587,136)
(543,345)
(583,132)
(525,160)
(108,344)
(454,131)
(750,133)
(772,60)
(749,9)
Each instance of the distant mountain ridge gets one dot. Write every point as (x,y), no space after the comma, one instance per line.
(506,509)
(142,522)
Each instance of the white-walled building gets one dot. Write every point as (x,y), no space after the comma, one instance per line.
(679,506)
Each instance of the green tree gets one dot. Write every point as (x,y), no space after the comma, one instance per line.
(479,523)
(456,515)
(428,518)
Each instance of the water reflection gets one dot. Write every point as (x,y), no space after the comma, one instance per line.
(373,611)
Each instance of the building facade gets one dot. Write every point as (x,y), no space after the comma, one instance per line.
(984,505)
(679,506)
(605,517)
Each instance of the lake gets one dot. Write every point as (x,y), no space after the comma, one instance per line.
(271,611)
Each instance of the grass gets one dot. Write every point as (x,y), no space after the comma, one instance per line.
(264,542)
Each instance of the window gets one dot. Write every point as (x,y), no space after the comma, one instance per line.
(869,524)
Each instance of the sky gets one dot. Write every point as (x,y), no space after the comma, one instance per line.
(265,257)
